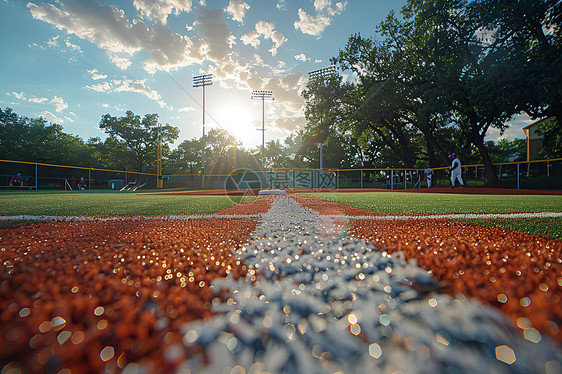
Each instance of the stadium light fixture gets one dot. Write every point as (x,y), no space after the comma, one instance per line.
(202,81)
(263,96)
(324,74)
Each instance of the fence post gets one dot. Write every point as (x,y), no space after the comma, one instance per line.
(361,176)
(337,178)
(405,180)
(89,178)
(517,175)
(392,179)
(36,184)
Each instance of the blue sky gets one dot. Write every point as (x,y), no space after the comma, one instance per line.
(72,61)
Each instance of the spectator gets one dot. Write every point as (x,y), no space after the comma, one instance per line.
(455,171)
(82,185)
(428,174)
(17,180)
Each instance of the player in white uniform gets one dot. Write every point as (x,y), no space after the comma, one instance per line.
(455,171)
(428,175)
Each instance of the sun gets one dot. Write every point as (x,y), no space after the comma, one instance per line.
(241,120)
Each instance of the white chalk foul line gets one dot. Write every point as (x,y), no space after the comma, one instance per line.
(126,218)
(460,216)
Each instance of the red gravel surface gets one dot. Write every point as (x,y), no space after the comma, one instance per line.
(256,206)
(95,296)
(516,272)
(331,208)
(520,274)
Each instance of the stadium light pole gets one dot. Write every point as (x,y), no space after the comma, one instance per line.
(202,81)
(322,74)
(262,95)
(159,181)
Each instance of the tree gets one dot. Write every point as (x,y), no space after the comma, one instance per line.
(186,158)
(33,140)
(141,136)
(224,153)
(529,33)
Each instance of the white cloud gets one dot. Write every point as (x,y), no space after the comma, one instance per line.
(515,129)
(278,40)
(215,34)
(64,45)
(37,100)
(122,63)
(320,5)
(267,30)
(302,57)
(313,25)
(109,28)
(186,109)
(128,85)
(252,38)
(19,96)
(59,104)
(56,101)
(53,42)
(96,75)
(316,24)
(161,9)
(281,4)
(100,87)
(237,8)
(50,117)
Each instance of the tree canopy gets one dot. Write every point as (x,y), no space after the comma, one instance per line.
(435,79)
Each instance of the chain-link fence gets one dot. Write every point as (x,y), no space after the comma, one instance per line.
(56,177)
(541,174)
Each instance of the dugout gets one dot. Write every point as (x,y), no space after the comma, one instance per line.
(115,184)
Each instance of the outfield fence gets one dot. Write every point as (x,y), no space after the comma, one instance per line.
(43,176)
(540,174)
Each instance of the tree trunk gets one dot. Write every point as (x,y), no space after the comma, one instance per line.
(489,169)
(406,156)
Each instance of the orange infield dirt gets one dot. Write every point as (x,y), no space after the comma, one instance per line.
(94,296)
(518,273)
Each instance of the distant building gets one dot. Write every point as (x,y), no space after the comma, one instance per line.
(534,139)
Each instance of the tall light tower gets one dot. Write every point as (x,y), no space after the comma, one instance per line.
(262,95)
(159,181)
(202,81)
(324,75)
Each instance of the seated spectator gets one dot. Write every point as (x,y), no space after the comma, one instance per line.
(82,185)
(17,180)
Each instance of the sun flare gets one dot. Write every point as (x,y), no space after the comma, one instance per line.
(242,121)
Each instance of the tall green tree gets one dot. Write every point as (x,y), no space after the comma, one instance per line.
(529,34)
(35,140)
(185,158)
(140,135)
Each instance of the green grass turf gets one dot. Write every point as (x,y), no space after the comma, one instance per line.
(551,227)
(418,203)
(92,203)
